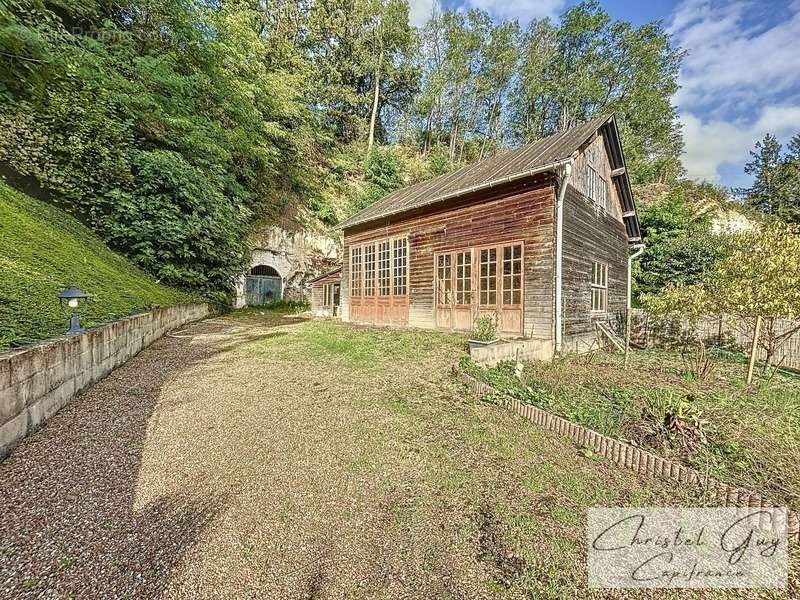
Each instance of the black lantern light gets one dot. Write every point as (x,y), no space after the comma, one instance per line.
(72,298)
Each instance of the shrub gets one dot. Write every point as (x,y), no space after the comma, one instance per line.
(484,329)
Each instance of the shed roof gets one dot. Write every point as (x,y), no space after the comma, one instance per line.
(337,270)
(540,156)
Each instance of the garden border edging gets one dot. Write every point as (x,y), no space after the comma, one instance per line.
(630,457)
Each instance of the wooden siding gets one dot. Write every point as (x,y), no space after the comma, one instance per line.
(519,212)
(594,153)
(590,235)
(317,297)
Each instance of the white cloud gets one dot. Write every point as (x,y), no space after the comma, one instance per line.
(711,143)
(739,81)
(523,10)
(420,11)
(731,63)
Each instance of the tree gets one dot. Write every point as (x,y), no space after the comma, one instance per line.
(392,39)
(776,179)
(676,229)
(588,64)
(757,281)
(759,278)
(382,175)
(165,126)
(764,163)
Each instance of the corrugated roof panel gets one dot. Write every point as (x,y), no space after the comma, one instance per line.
(510,164)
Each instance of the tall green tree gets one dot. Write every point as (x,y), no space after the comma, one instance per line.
(166,126)
(776,179)
(587,64)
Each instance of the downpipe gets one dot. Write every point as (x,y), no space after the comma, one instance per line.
(559,317)
(638,249)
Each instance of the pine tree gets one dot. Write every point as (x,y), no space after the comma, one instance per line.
(764,166)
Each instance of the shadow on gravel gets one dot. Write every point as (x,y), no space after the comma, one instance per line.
(67,522)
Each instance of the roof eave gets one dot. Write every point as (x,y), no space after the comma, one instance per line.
(622,183)
(463,192)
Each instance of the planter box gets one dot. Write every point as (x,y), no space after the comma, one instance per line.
(480,344)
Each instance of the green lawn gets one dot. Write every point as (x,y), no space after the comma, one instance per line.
(265,454)
(747,437)
(42,251)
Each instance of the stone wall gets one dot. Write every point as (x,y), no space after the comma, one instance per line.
(36,382)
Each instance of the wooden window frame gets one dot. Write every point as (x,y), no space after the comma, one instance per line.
(487,279)
(327,291)
(599,286)
(356,279)
(470,264)
(476,273)
(596,187)
(437,279)
(371,273)
(502,290)
(384,267)
(399,281)
(376,271)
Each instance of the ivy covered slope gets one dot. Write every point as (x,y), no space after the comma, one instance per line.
(42,251)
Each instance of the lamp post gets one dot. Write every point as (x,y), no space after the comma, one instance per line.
(72,297)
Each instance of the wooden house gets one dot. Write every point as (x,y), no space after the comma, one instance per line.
(538,237)
(326,294)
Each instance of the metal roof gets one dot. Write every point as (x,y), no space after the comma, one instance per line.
(324,275)
(542,155)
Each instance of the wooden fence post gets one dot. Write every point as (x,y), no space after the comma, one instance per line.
(754,351)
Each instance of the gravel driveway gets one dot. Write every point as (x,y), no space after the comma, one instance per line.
(265,455)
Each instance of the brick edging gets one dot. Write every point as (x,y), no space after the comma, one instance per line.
(630,457)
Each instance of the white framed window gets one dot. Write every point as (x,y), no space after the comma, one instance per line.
(355,271)
(596,187)
(400,266)
(599,287)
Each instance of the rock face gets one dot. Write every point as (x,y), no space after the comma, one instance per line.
(297,257)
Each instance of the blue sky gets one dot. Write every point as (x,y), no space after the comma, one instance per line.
(740,80)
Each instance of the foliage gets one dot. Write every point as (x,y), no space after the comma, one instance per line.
(589,64)
(288,306)
(776,185)
(760,274)
(757,277)
(383,173)
(167,127)
(172,128)
(676,229)
(42,251)
(748,438)
(484,329)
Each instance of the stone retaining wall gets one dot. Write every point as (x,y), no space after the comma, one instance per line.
(632,458)
(36,382)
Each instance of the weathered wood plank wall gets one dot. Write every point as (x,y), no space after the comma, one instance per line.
(591,234)
(511,213)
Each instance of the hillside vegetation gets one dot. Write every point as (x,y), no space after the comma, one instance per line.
(42,251)
(174,128)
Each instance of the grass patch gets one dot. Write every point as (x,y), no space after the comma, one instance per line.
(42,251)
(747,437)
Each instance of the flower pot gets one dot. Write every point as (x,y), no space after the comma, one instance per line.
(480,343)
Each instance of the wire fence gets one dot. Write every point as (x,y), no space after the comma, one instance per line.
(731,332)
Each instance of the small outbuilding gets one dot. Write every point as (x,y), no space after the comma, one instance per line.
(326,294)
